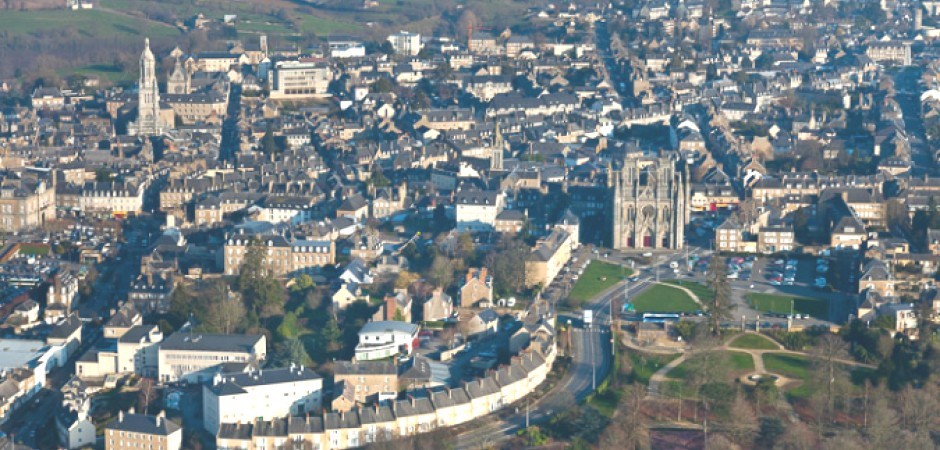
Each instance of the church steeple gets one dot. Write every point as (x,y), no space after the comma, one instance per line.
(148,96)
(496,160)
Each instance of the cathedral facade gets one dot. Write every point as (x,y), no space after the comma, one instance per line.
(649,204)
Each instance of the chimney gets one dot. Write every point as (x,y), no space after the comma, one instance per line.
(469,275)
(120,416)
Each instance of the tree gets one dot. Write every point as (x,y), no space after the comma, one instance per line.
(467,23)
(442,271)
(770,429)
(382,85)
(507,263)
(719,308)
(261,293)
(225,311)
(533,436)
(331,337)
(742,423)
(797,437)
(290,351)
(268,143)
(405,279)
(882,426)
(302,283)
(628,429)
(826,353)
(145,393)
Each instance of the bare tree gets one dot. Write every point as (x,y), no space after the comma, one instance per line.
(882,428)
(919,408)
(628,430)
(145,393)
(797,437)
(226,310)
(742,422)
(827,368)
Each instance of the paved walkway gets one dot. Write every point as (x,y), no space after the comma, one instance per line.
(757,355)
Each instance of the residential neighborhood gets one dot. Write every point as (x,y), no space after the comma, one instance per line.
(646,224)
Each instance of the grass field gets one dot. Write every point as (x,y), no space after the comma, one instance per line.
(597,277)
(780,304)
(703,292)
(737,362)
(754,342)
(644,366)
(95,23)
(663,298)
(791,366)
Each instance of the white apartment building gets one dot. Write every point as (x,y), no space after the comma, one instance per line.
(191,356)
(378,340)
(405,43)
(118,199)
(266,394)
(477,210)
(300,79)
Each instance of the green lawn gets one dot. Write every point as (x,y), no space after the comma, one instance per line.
(664,298)
(754,341)
(703,292)
(644,365)
(94,22)
(780,304)
(606,401)
(791,366)
(737,362)
(597,277)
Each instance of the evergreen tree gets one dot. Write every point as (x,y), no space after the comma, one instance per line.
(719,308)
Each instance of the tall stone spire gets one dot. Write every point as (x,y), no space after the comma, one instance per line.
(148,96)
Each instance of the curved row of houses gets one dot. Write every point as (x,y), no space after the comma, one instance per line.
(419,413)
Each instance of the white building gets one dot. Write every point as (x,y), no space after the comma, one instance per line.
(192,356)
(119,199)
(346,48)
(477,210)
(378,340)
(405,43)
(265,394)
(300,79)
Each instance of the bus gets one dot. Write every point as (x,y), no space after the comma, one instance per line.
(660,318)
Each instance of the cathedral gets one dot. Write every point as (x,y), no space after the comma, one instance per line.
(149,120)
(650,204)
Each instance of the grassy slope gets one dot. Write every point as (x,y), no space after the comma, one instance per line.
(95,23)
(597,277)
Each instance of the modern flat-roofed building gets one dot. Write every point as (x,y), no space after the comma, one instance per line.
(378,340)
(300,79)
(405,43)
(191,356)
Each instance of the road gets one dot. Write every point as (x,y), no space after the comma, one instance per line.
(591,362)
(112,284)
(592,358)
